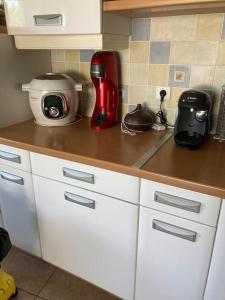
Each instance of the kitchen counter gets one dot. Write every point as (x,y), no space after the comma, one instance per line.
(202,170)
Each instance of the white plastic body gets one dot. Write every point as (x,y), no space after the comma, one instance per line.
(98,244)
(19,211)
(169,267)
(215,288)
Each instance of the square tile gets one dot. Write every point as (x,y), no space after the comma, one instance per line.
(123,89)
(124,74)
(159,52)
(58,67)
(86,55)
(124,55)
(158,75)
(184,27)
(58,55)
(138,94)
(209,27)
(179,76)
(67,287)
(139,74)
(181,53)
(205,53)
(174,97)
(85,71)
(139,52)
(151,100)
(161,29)
(141,29)
(202,77)
(29,272)
(73,70)
(72,55)
(221,54)
(219,76)
(171,115)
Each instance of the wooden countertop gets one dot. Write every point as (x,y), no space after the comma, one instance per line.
(201,170)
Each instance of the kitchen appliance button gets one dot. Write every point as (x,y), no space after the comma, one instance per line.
(54,112)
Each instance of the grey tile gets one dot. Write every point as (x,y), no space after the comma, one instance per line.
(123,90)
(86,55)
(141,29)
(223,31)
(159,52)
(63,286)
(29,272)
(22,295)
(183,72)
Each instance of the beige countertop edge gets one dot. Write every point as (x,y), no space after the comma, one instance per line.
(178,182)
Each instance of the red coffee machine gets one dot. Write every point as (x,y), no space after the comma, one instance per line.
(104,74)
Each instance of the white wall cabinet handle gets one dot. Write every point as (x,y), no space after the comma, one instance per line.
(48,20)
(79,200)
(10,156)
(78,175)
(178,202)
(174,230)
(12,178)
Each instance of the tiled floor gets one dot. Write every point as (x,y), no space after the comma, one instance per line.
(36,279)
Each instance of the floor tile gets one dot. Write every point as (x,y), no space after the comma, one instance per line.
(29,272)
(63,286)
(22,295)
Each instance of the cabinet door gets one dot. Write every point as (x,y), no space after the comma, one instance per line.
(18,209)
(90,235)
(173,257)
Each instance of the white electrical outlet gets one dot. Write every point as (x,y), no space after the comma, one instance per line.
(159,88)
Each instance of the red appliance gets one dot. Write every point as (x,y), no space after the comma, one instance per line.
(104,74)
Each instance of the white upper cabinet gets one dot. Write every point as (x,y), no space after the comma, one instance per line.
(70,24)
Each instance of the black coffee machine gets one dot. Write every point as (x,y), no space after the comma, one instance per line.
(192,123)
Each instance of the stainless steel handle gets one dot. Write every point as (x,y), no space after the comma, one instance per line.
(11,177)
(48,20)
(78,175)
(174,230)
(79,200)
(178,202)
(10,156)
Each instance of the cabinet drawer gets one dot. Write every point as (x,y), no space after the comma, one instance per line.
(91,178)
(187,204)
(90,235)
(14,157)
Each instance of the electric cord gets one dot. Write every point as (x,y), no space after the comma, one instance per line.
(160,113)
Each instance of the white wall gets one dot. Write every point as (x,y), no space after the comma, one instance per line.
(17,67)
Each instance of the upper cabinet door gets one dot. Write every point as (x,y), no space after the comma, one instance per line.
(44,17)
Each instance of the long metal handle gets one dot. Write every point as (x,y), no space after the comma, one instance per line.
(10,156)
(48,20)
(79,200)
(178,202)
(78,175)
(11,177)
(174,230)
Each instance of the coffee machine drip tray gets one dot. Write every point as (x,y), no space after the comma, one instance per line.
(189,139)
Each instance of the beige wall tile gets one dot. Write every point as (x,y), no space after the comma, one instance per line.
(209,27)
(72,55)
(174,97)
(139,52)
(58,67)
(221,54)
(124,74)
(139,74)
(158,75)
(161,29)
(184,27)
(138,94)
(85,71)
(152,102)
(181,52)
(58,55)
(124,56)
(205,53)
(73,69)
(202,77)
(171,116)
(219,78)
(123,111)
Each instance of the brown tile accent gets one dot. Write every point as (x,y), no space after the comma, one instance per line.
(63,286)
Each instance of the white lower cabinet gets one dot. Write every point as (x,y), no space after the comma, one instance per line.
(88,234)
(18,209)
(173,257)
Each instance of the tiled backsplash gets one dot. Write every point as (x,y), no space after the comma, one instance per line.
(180,52)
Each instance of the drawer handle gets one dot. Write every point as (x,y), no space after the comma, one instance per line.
(10,156)
(79,200)
(48,20)
(12,178)
(178,202)
(174,230)
(78,175)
